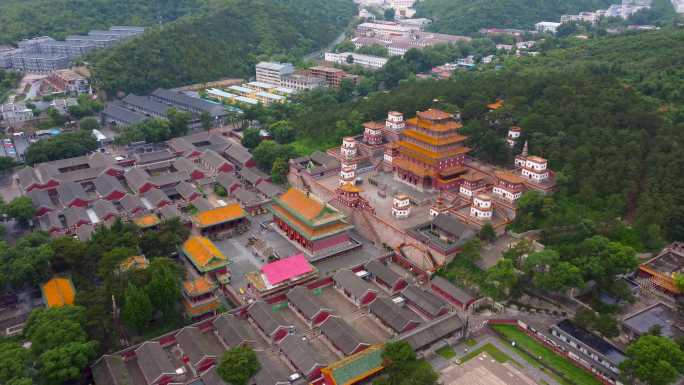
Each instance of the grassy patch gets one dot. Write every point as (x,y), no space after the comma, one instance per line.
(447,352)
(490,349)
(470,342)
(547,356)
(307,146)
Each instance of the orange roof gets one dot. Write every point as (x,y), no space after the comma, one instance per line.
(496,105)
(348,187)
(434,114)
(198,286)
(306,229)
(448,125)
(473,176)
(136,261)
(415,151)
(508,177)
(414,168)
(203,253)
(202,309)
(435,141)
(219,215)
(303,203)
(148,220)
(58,292)
(515,128)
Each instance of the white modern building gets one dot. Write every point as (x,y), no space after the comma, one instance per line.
(547,26)
(350,58)
(273,72)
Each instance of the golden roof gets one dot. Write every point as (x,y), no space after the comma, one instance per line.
(148,220)
(474,176)
(198,286)
(430,157)
(434,140)
(434,114)
(496,105)
(219,215)
(449,125)
(203,252)
(136,261)
(202,309)
(307,230)
(303,203)
(509,177)
(348,187)
(58,292)
(413,168)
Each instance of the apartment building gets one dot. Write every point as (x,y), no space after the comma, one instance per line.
(273,72)
(349,58)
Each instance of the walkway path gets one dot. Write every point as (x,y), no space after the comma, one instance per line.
(463,349)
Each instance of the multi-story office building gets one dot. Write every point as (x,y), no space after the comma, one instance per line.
(368,61)
(273,72)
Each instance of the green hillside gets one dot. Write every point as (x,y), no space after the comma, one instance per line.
(225,42)
(468,16)
(21,19)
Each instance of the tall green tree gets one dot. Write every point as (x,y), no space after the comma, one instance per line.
(66,363)
(653,360)
(238,365)
(164,287)
(15,361)
(21,209)
(137,309)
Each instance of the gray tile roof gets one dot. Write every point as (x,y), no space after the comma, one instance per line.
(153,361)
(269,189)
(104,208)
(119,114)
(299,351)
(153,157)
(352,283)
(227,180)
(213,159)
(156,196)
(383,272)
(433,331)
(341,334)
(392,314)
(136,178)
(146,105)
(238,153)
(427,301)
(181,145)
(456,292)
(232,330)
(185,165)
(184,102)
(110,370)
(449,224)
(105,184)
(246,198)
(263,315)
(169,178)
(186,190)
(210,377)
(41,199)
(85,232)
(252,176)
(307,303)
(51,222)
(197,345)
(74,215)
(169,212)
(27,176)
(131,202)
(272,372)
(202,204)
(70,191)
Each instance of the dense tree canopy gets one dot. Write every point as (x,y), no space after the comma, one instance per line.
(654,360)
(224,42)
(468,16)
(238,365)
(21,19)
(66,145)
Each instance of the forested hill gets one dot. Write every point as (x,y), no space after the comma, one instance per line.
(226,42)
(20,19)
(468,16)
(652,62)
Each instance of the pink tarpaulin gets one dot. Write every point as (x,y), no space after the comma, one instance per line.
(286,268)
